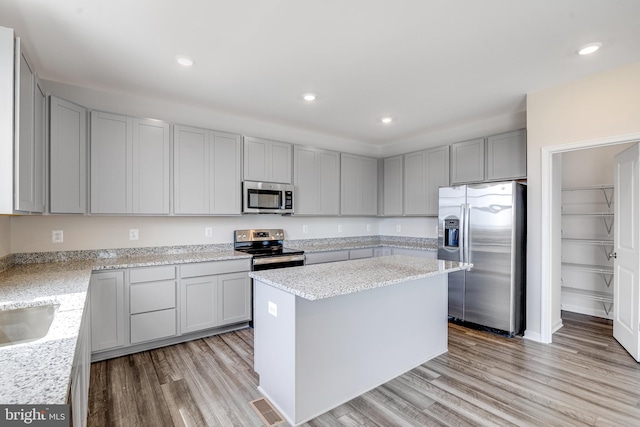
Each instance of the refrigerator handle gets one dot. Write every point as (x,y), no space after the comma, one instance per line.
(467,240)
(462,232)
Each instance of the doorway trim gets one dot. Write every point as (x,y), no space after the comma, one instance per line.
(549,187)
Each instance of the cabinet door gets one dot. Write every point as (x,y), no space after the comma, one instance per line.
(507,156)
(392,193)
(328,195)
(226,197)
(280,163)
(306,180)
(322,257)
(256,161)
(467,161)
(111,141)
(437,174)
(199,303)
(234,298)
(415,201)
(107,310)
(68,157)
(150,167)
(39,148)
(358,184)
(24,127)
(153,325)
(191,170)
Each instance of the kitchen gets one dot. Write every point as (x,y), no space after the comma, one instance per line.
(554,116)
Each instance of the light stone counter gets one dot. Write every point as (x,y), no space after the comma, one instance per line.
(39,372)
(319,281)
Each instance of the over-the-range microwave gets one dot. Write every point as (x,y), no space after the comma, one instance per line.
(267,197)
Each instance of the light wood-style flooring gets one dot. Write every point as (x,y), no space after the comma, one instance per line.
(584,378)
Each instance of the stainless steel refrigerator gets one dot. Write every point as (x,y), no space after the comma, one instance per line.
(485,224)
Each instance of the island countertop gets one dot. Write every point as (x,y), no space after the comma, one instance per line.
(319,281)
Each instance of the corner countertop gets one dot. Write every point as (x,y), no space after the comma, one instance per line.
(319,281)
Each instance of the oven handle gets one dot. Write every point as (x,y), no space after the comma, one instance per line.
(277,259)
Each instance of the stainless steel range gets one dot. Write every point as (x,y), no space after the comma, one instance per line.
(266,246)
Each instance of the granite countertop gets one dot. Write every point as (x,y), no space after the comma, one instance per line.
(318,281)
(39,372)
(333,244)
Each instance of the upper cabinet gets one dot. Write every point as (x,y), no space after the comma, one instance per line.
(507,156)
(207,167)
(129,165)
(268,161)
(67,157)
(358,185)
(317,181)
(495,158)
(392,193)
(424,172)
(467,161)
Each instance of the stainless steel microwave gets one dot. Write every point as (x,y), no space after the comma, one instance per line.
(267,197)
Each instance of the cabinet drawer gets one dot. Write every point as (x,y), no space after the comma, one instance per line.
(152,296)
(320,257)
(361,253)
(150,274)
(214,267)
(153,326)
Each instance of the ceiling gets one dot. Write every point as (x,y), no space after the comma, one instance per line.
(429,64)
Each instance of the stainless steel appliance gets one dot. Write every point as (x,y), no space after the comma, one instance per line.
(485,224)
(267,197)
(267,248)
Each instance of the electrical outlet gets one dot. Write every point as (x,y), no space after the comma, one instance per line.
(398,228)
(273,309)
(437,231)
(305,229)
(133,234)
(340,228)
(368,227)
(208,232)
(57,236)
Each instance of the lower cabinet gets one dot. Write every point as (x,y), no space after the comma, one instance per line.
(108,317)
(81,371)
(333,256)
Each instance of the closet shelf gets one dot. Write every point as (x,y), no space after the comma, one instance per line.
(603,297)
(588,213)
(590,268)
(597,242)
(589,187)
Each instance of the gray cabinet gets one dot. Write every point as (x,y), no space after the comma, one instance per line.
(67,157)
(129,165)
(317,181)
(265,160)
(214,294)
(392,193)
(358,185)
(467,161)
(414,252)
(81,371)
(507,156)
(207,168)
(424,172)
(335,256)
(107,310)
(152,303)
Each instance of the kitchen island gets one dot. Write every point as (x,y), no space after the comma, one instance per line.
(327,333)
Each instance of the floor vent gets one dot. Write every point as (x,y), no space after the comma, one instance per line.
(269,415)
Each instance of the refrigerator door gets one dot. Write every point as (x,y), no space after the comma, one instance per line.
(450,241)
(489,284)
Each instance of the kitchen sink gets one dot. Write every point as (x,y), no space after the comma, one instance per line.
(25,324)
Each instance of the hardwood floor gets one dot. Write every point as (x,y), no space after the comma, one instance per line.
(584,378)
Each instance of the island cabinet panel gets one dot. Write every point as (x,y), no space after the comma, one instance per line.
(468,161)
(359,185)
(392,193)
(507,156)
(68,157)
(268,161)
(317,181)
(308,367)
(108,315)
(207,167)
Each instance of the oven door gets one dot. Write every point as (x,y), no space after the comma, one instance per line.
(271,262)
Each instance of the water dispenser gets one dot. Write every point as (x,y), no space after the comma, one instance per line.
(452,233)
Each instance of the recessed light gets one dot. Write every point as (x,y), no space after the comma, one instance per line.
(185,61)
(386,120)
(589,49)
(309,97)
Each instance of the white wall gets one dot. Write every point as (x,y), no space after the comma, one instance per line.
(33,233)
(603,105)
(5,235)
